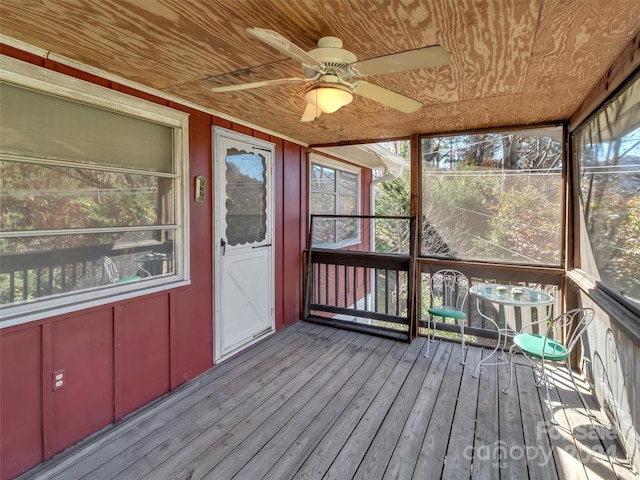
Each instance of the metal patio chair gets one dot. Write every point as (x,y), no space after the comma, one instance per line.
(561,335)
(112,272)
(449,290)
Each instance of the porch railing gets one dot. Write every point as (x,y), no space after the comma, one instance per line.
(26,276)
(547,279)
(352,284)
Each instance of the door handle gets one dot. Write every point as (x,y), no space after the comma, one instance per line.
(261,246)
(223,244)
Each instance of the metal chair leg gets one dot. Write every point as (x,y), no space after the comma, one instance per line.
(547,386)
(584,403)
(463,360)
(430,334)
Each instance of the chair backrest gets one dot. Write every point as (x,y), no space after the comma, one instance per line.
(569,327)
(449,289)
(110,268)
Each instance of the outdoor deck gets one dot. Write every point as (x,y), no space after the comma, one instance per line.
(314,402)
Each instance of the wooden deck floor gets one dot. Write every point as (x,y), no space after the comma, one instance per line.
(313,402)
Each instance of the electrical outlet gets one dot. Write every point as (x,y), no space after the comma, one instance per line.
(59,378)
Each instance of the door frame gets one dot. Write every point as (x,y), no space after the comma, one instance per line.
(268,149)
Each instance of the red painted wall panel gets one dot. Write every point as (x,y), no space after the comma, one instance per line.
(292,261)
(145,350)
(279,234)
(20,400)
(83,347)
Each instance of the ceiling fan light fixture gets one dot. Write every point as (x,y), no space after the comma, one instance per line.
(328,98)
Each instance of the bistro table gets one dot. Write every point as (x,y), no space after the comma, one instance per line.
(510,295)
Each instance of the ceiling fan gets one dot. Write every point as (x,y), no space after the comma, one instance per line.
(330,70)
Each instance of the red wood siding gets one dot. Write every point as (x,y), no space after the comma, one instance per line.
(20,400)
(83,347)
(120,356)
(145,350)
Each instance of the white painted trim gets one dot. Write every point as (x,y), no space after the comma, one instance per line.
(37,78)
(123,81)
(88,299)
(335,164)
(269,147)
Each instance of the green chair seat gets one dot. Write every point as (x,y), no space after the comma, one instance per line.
(447,313)
(134,278)
(534,343)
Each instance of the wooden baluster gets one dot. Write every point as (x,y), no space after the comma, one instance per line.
(355,287)
(336,281)
(386,291)
(366,293)
(326,284)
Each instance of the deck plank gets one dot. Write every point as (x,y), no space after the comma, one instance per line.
(430,461)
(321,458)
(512,463)
(384,444)
(320,411)
(459,453)
(324,425)
(590,450)
(484,467)
(263,444)
(314,402)
(294,385)
(405,455)
(350,456)
(214,422)
(539,454)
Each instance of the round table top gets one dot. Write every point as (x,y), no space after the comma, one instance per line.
(153,256)
(511,295)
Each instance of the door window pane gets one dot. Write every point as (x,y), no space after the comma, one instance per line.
(246,197)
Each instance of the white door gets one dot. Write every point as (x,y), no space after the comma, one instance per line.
(242,241)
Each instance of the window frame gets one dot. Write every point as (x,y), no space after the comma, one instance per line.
(337,166)
(50,82)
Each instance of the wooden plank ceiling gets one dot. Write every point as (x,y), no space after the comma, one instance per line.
(514,61)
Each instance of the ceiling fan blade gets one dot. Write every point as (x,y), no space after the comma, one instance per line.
(264,83)
(310,113)
(387,97)
(404,61)
(280,43)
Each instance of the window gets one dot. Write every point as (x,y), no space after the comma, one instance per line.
(334,190)
(494,196)
(607,148)
(90,195)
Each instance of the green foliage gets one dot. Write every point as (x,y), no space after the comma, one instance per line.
(529,219)
(38,197)
(625,265)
